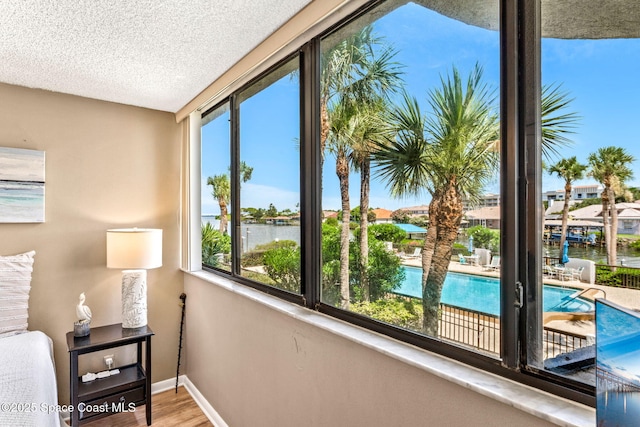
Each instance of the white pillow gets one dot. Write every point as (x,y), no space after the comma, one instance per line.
(15,284)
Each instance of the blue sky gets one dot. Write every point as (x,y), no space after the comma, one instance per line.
(599,74)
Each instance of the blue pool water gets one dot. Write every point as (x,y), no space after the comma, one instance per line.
(482,294)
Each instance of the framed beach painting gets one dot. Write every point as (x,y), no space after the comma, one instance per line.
(617,365)
(21,185)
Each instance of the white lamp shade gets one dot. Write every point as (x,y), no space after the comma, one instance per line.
(134,248)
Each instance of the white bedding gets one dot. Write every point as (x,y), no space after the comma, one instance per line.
(28,391)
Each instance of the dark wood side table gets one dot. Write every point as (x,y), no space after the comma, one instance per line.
(116,393)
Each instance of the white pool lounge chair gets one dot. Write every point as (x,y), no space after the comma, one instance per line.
(415,254)
(494,265)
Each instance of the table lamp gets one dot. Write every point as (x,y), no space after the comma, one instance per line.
(134,250)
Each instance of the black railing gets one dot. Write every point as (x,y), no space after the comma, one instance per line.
(558,342)
(480,331)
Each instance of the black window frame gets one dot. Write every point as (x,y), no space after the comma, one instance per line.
(520,207)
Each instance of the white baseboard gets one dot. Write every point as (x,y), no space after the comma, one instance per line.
(165,385)
(208,410)
(206,407)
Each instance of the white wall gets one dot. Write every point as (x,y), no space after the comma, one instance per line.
(107,165)
(259,367)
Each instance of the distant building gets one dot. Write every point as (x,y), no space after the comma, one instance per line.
(329,214)
(578,192)
(581,192)
(628,216)
(487,200)
(488,217)
(417,210)
(383,216)
(554,211)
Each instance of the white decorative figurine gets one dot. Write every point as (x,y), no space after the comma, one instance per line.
(81,327)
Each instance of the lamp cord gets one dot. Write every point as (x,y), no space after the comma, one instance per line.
(183,297)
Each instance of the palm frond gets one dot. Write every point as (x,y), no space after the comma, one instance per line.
(556,124)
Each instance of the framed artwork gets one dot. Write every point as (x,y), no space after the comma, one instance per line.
(617,365)
(21,185)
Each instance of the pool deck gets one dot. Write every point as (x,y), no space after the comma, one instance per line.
(629,298)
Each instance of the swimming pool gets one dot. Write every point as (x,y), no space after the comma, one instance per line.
(482,294)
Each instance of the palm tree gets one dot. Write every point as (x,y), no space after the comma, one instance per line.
(222,191)
(341,119)
(357,73)
(610,167)
(450,154)
(357,68)
(371,128)
(570,170)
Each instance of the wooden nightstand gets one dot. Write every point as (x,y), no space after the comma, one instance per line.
(116,393)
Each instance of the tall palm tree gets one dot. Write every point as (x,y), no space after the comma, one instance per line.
(342,121)
(450,154)
(570,170)
(356,73)
(371,128)
(221,191)
(610,167)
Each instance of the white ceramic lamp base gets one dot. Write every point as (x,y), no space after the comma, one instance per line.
(134,298)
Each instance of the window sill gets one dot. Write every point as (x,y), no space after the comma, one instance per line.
(541,404)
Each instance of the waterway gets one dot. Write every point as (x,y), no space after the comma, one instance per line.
(259,234)
(627,256)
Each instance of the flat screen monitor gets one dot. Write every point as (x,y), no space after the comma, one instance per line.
(617,365)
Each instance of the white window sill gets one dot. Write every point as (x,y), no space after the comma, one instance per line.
(541,404)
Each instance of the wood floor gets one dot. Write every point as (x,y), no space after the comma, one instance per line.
(169,409)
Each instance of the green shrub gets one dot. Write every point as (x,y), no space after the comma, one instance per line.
(283,267)
(484,237)
(214,245)
(397,311)
(387,233)
(459,248)
(384,269)
(331,221)
(252,258)
(274,244)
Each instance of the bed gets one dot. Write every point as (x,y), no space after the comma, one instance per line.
(28,390)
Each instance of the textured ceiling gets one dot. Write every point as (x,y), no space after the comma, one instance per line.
(156,54)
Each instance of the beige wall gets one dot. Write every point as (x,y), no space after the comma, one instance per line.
(107,165)
(259,367)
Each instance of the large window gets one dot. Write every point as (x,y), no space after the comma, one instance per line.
(410,124)
(251,182)
(269,172)
(428,133)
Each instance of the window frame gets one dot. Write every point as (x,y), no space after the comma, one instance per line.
(235,224)
(520,207)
